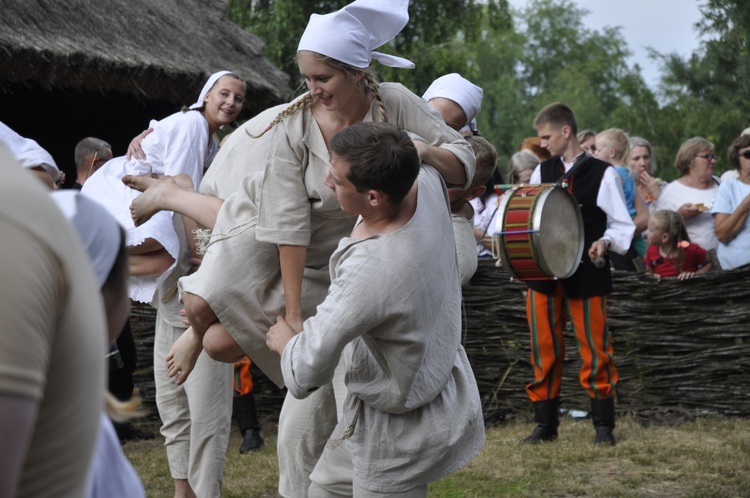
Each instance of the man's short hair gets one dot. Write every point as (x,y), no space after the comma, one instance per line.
(486,155)
(380,156)
(86,148)
(557,114)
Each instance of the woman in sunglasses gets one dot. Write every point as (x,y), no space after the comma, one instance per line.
(731,208)
(692,195)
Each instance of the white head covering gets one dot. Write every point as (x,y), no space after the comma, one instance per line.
(463,92)
(207,87)
(28,152)
(96,228)
(352,34)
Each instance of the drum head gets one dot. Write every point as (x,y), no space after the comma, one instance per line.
(559,236)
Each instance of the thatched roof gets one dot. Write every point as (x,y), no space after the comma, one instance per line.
(153,49)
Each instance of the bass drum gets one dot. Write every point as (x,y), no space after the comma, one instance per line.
(539,232)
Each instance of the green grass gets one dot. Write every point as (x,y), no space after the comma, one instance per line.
(706,458)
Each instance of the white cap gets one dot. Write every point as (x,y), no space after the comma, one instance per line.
(463,92)
(352,34)
(28,152)
(96,228)
(207,87)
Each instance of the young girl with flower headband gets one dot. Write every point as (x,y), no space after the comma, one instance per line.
(180,144)
(671,254)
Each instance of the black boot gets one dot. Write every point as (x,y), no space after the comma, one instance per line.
(546,417)
(603,416)
(246,415)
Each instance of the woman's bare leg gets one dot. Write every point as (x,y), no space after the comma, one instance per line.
(148,258)
(175,194)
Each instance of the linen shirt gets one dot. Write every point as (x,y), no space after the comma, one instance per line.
(396,316)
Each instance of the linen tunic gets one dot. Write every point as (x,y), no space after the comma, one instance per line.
(179,144)
(396,316)
(240,275)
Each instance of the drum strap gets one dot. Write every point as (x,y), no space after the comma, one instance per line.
(573,169)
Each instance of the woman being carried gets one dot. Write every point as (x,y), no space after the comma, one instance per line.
(180,143)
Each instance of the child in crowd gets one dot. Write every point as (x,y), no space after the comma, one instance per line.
(612,146)
(671,254)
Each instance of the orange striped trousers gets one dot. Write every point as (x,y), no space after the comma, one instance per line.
(243,380)
(547,316)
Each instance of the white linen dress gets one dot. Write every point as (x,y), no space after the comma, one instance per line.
(180,143)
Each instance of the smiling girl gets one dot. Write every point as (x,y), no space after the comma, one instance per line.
(182,143)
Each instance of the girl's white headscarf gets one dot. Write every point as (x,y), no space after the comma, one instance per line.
(463,92)
(352,34)
(207,87)
(96,228)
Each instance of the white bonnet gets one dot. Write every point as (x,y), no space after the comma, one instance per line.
(207,87)
(28,152)
(96,228)
(352,34)
(463,92)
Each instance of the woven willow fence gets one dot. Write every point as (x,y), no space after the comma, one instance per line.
(677,344)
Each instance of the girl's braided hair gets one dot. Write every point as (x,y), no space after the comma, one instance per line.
(351,72)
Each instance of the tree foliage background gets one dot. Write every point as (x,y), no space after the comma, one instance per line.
(544,53)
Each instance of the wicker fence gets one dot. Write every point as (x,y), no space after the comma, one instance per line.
(677,344)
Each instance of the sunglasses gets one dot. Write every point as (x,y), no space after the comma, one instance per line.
(708,157)
(745,154)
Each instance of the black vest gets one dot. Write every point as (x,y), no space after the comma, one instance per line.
(588,280)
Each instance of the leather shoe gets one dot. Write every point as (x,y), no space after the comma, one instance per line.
(251,440)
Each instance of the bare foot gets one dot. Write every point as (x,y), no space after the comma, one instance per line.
(138,182)
(149,202)
(182,356)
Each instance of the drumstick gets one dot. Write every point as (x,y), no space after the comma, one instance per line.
(600,262)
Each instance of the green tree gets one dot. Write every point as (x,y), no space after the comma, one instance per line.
(440,36)
(706,93)
(550,55)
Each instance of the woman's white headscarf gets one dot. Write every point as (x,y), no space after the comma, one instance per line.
(207,87)
(352,34)
(463,92)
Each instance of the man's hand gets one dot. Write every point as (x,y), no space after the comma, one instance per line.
(279,335)
(597,251)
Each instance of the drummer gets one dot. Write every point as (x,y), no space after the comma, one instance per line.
(607,227)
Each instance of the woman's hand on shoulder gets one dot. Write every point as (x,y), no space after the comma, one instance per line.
(134,149)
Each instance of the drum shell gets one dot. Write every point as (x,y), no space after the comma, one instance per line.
(540,232)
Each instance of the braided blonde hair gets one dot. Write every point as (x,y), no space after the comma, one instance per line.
(351,72)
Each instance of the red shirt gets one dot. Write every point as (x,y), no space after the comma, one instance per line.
(692,258)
